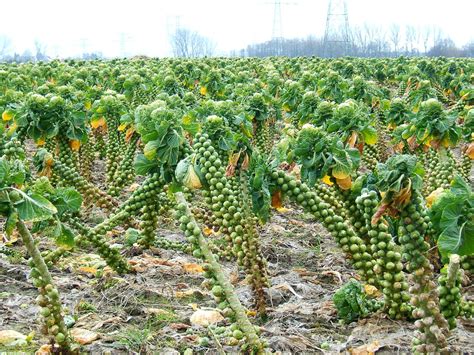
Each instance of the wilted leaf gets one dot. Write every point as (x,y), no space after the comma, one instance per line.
(83,336)
(193,268)
(366,349)
(277,200)
(205,318)
(12,338)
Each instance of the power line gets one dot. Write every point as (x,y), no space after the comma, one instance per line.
(277,27)
(336,35)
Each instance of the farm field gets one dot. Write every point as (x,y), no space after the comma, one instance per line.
(237,205)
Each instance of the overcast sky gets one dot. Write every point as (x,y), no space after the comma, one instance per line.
(66,26)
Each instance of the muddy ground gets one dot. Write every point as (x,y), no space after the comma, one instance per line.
(149,311)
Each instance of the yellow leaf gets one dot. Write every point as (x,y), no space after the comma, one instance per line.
(7,115)
(445,141)
(344,184)
(434,196)
(392,126)
(45,349)
(12,338)
(327,180)
(204,317)
(75,145)
(207,231)
(87,269)
(352,139)
(187,119)
(40,142)
(277,200)
(283,209)
(193,268)
(129,134)
(470,151)
(251,313)
(122,127)
(203,90)
(83,336)
(286,108)
(183,294)
(88,105)
(340,175)
(12,129)
(98,122)
(371,290)
(365,349)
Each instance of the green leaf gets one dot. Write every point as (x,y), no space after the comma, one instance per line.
(66,236)
(67,200)
(4,170)
(11,222)
(369,134)
(143,166)
(34,207)
(150,149)
(182,169)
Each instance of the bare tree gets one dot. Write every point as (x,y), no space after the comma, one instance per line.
(5,45)
(410,38)
(445,47)
(190,44)
(395,36)
(426,33)
(437,35)
(40,49)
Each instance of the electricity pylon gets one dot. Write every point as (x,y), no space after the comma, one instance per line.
(277,29)
(336,36)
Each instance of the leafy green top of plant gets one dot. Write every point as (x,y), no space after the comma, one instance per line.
(397,179)
(398,111)
(353,123)
(258,106)
(50,115)
(432,125)
(161,130)
(323,154)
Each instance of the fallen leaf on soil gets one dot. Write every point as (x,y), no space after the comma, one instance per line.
(189,293)
(45,349)
(12,338)
(332,273)
(193,268)
(303,272)
(205,317)
(366,349)
(87,270)
(158,311)
(287,287)
(179,326)
(84,336)
(107,321)
(234,277)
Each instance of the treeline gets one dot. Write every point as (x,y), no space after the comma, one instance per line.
(377,46)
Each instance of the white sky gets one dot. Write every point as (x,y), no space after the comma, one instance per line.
(63,25)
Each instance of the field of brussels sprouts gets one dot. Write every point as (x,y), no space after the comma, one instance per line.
(237,205)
